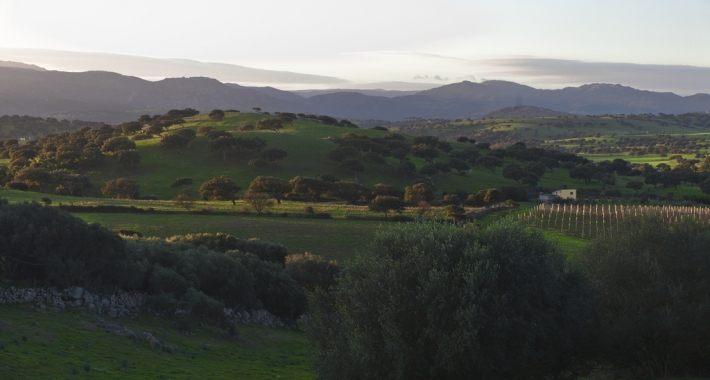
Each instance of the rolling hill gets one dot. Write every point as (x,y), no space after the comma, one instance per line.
(114,98)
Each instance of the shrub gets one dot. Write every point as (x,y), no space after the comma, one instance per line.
(655,293)
(278,292)
(182,181)
(312,271)
(436,301)
(16,185)
(222,243)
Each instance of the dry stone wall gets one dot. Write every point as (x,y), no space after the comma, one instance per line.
(120,304)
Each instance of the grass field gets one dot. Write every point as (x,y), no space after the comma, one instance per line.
(333,239)
(73,345)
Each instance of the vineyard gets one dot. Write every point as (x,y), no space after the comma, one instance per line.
(590,221)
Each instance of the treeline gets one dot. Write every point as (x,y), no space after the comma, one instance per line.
(28,127)
(195,273)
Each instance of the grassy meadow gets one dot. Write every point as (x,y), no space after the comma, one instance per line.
(35,344)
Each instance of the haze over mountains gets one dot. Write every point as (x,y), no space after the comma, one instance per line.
(110,97)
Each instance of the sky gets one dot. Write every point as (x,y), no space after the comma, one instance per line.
(652,44)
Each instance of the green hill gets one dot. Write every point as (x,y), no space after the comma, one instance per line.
(35,344)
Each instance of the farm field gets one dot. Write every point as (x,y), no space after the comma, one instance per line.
(72,344)
(332,239)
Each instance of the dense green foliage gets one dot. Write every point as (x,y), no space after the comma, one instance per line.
(654,283)
(45,244)
(435,301)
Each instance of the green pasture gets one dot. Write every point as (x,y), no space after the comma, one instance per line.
(72,344)
(333,239)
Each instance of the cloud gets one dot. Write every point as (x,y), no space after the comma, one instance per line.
(433,77)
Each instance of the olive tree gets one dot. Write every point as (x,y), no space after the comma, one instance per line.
(432,301)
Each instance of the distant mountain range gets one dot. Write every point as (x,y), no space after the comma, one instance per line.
(110,97)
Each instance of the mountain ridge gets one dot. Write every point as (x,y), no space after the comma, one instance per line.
(114,98)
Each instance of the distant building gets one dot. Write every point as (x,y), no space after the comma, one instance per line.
(566,193)
(548,197)
(557,195)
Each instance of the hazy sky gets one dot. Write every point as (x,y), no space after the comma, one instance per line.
(380,40)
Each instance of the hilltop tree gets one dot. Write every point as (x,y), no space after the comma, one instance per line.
(406,169)
(258,201)
(215,134)
(129,159)
(71,184)
(224,145)
(635,185)
(459,165)
(274,155)
(92,156)
(353,166)
(489,162)
(177,140)
(116,144)
(513,171)
(34,177)
(425,152)
(123,189)
(185,201)
(529,178)
(551,163)
(182,182)
(429,170)
(584,172)
(705,186)
(275,187)
(604,179)
(418,192)
(309,188)
(342,153)
(386,204)
(220,188)
(350,192)
(216,115)
(536,167)
(269,125)
(377,159)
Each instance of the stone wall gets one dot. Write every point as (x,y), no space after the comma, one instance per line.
(120,304)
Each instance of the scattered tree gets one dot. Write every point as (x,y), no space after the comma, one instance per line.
(185,201)
(220,188)
(274,155)
(258,201)
(386,204)
(122,188)
(216,115)
(275,187)
(181,182)
(269,125)
(129,159)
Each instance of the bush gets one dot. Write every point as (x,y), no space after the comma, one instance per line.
(312,271)
(656,297)
(446,302)
(518,194)
(222,243)
(48,244)
(16,185)
(58,249)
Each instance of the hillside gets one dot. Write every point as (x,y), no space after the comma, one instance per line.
(523,111)
(42,345)
(112,98)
